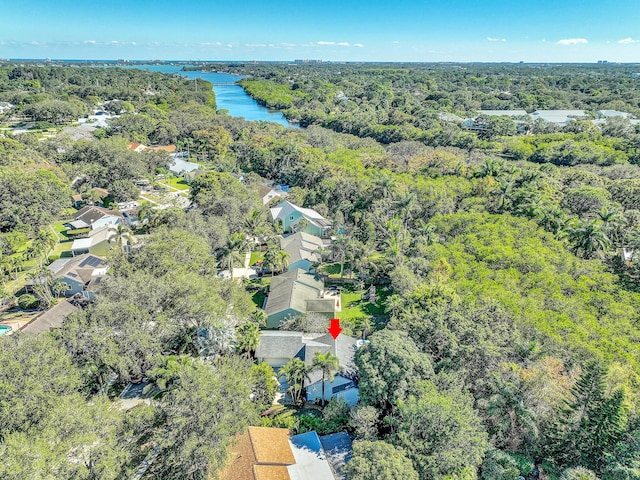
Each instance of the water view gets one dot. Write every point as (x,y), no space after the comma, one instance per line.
(229,95)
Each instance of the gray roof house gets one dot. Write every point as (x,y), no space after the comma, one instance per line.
(276,347)
(77,273)
(303,250)
(298,292)
(51,319)
(95,217)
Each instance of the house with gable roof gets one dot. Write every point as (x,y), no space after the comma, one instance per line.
(303,250)
(289,216)
(298,292)
(77,273)
(277,347)
(95,217)
(265,453)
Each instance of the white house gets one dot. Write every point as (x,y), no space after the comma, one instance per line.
(95,217)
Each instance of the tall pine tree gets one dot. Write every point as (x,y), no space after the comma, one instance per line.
(590,423)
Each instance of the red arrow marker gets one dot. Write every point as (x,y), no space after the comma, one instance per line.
(335,329)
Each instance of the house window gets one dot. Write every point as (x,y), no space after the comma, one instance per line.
(291,218)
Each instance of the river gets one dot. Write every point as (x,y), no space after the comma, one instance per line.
(229,95)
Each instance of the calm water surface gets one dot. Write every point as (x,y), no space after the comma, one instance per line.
(229,96)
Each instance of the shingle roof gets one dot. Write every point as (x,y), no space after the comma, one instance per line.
(271,445)
(80,267)
(50,319)
(279,344)
(287,344)
(91,213)
(292,290)
(301,246)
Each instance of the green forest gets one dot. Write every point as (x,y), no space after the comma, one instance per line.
(507,260)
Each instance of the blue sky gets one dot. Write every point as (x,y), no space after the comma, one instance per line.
(464,30)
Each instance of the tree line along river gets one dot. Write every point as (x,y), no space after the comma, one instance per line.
(229,95)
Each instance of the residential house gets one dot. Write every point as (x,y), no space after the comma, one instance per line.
(303,250)
(137,147)
(51,319)
(269,193)
(265,453)
(289,216)
(95,217)
(277,347)
(98,242)
(181,167)
(298,292)
(77,273)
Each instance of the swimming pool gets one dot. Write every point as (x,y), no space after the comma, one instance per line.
(4,329)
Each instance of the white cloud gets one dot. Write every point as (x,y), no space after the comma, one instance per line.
(628,40)
(92,42)
(336,44)
(493,39)
(572,41)
(255,45)
(285,44)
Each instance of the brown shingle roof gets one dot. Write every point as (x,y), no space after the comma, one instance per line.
(261,454)
(271,472)
(241,460)
(271,445)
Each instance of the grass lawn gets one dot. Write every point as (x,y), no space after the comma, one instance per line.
(255,256)
(176,182)
(258,289)
(354,309)
(333,269)
(62,249)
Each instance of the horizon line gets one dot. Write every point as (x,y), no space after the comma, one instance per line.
(312,61)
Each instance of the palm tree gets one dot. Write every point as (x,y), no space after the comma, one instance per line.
(234,250)
(253,221)
(612,221)
(120,233)
(328,363)
(490,168)
(503,192)
(283,260)
(247,338)
(295,371)
(42,279)
(41,245)
(144,212)
(588,239)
